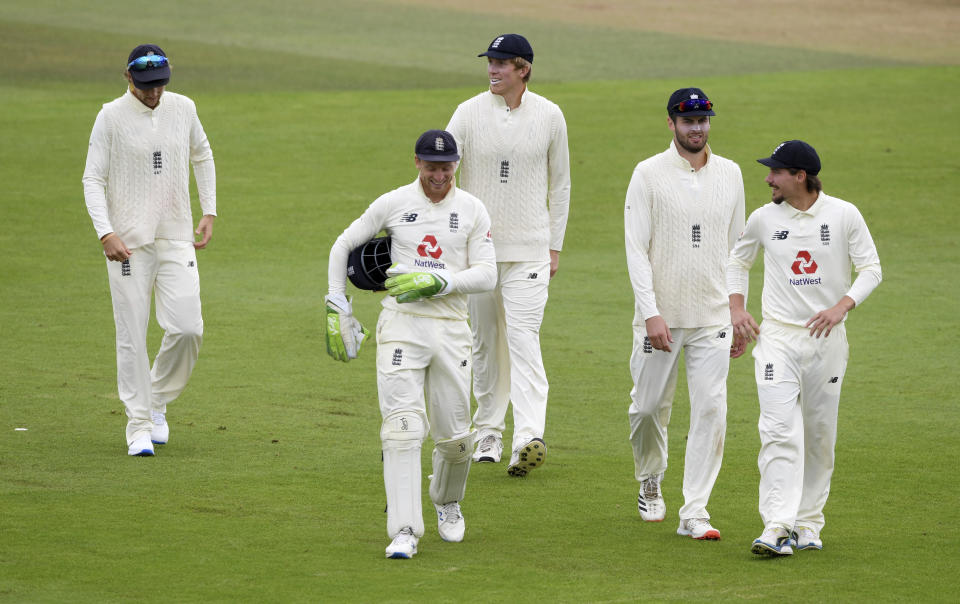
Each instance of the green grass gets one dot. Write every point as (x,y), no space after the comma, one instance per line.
(270,488)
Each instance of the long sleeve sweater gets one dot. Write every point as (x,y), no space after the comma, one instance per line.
(680,225)
(137,177)
(517,162)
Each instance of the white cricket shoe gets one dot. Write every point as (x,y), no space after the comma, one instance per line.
(527,457)
(489,449)
(698,528)
(775,541)
(404,545)
(650,502)
(807,538)
(450,522)
(160,433)
(142,447)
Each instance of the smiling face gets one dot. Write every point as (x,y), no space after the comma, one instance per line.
(784,185)
(505,77)
(691,132)
(436,177)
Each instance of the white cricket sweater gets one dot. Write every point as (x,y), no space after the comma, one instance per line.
(807,258)
(517,162)
(680,225)
(452,235)
(137,178)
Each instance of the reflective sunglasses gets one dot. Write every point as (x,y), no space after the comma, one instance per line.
(693,105)
(147,62)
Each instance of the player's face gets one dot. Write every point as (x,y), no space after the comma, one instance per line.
(150,98)
(784,186)
(505,77)
(691,132)
(436,177)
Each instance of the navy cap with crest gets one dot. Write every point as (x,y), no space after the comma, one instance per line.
(436,145)
(794,154)
(147,74)
(689,101)
(508,46)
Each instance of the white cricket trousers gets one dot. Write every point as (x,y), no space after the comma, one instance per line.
(798,384)
(707,357)
(507,364)
(166,269)
(418,356)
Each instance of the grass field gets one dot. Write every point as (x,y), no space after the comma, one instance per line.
(270,488)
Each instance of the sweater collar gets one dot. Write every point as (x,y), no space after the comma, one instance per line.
(500,103)
(137,105)
(681,162)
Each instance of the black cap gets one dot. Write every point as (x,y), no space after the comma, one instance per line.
(152,76)
(367,265)
(436,145)
(794,154)
(507,46)
(694,97)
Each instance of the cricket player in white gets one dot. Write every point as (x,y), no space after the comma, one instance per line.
(684,209)
(137,189)
(442,250)
(515,159)
(810,244)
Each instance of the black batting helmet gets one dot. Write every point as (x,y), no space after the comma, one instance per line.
(368,264)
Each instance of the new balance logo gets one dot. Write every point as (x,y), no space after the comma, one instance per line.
(722,335)
(825,234)
(833,380)
(463,363)
(780,235)
(157,162)
(191,264)
(409,217)
(532,276)
(768,372)
(454,222)
(397,357)
(504,171)
(647,346)
(125,268)
(695,235)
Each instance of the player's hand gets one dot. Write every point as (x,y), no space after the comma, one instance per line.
(554,262)
(739,347)
(825,320)
(410,287)
(205,230)
(743,325)
(659,333)
(114,248)
(345,335)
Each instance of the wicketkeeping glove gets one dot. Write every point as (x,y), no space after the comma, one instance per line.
(345,335)
(410,286)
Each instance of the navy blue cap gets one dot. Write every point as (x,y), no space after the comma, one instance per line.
(436,145)
(153,75)
(794,154)
(689,101)
(508,46)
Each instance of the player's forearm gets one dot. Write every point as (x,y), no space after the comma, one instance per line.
(478,278)
(205,172)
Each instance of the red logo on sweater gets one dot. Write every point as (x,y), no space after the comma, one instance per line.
(804,264)
(429,247)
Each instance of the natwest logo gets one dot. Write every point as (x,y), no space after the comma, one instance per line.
(429,247)
(804,264)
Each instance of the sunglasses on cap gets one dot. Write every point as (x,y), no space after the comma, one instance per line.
(147,62)
(693,105)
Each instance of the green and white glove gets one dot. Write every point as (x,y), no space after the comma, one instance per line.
(413,286)
(345,335)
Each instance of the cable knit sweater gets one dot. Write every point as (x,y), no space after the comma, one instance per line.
(137,178)
(517,163)
(680,225)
